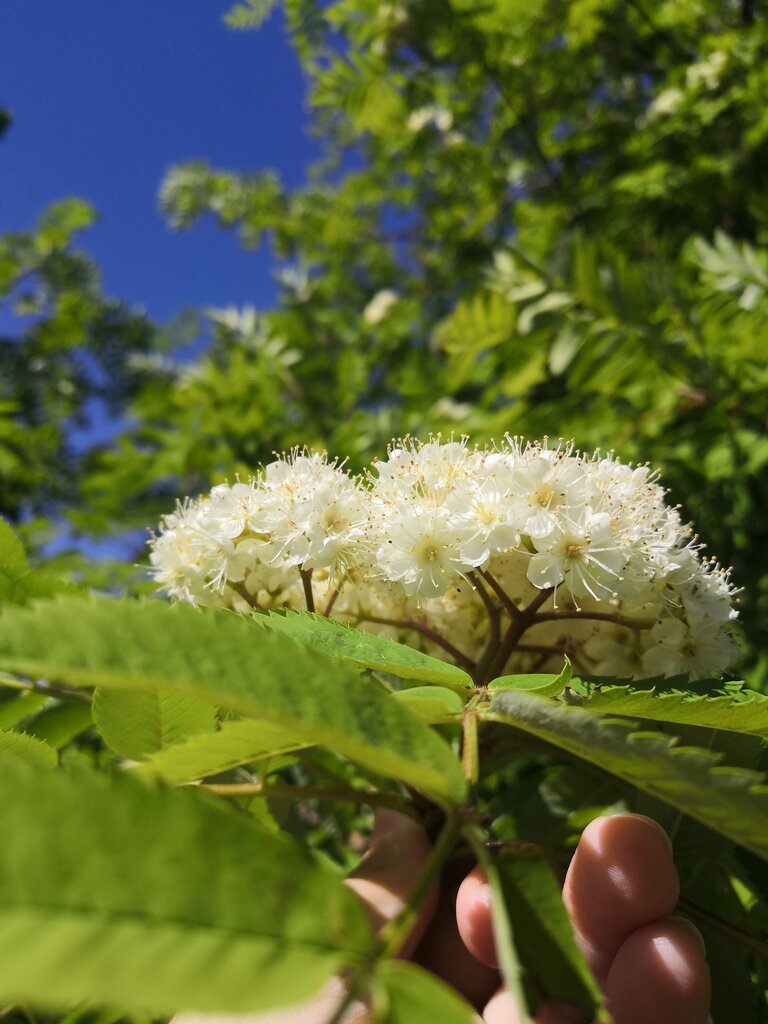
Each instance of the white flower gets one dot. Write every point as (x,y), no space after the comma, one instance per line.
(582,553)
(422,544)
(696,649)
(310,512)
(441,118)
(665,103)
(542,482)
(380,305)
(427,550)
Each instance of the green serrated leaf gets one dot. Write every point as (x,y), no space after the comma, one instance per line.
(18,708)
(432,703)
(549,954)
(224,658)
(235,743)
(12,556)
(734,802)
(542,685)
(407,994)
(155,900)
(60,722)
(365,649)
(17,746)
(136,723)
(737,713)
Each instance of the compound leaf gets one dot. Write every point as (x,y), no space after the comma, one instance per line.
(732,801)
(153,900)
(365,649)
(223,658)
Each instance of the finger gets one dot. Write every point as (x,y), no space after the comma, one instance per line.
(660,974)
(443,952)
(621,878)
(474,917)
(388,872)
(500,1009)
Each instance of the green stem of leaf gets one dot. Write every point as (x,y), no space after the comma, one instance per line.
(393,935)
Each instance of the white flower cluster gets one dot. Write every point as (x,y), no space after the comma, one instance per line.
(501,558)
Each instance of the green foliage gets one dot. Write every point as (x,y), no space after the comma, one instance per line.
(547,946)
(135,723)
(364,649)
(407,994)
(15,746)
(541,685)
(211,753)
(737,711)
(433,703)
(226,660)
(19,583)
(298,723)
(249,15)
(73,346)
(504,936)
(238,917)
(732,801)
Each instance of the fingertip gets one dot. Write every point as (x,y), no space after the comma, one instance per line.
(660,973)
(474,917)
(622,876)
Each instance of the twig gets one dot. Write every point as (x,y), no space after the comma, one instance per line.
(501,593)
(470,757)
(241,589)
(516,629)
(306,580)
(618,619)
(46,688)
(331,601)
(394,934)
(494,628)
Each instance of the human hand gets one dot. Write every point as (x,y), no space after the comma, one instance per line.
(620,889)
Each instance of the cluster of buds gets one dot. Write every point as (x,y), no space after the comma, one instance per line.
(501,558)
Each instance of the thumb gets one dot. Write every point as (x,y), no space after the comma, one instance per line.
(388,872)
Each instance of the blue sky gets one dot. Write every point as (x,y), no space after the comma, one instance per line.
(106,96)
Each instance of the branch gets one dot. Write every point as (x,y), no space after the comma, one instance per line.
(394,934)
(306,580)
(494,627)
(516,629)
(501,593)
(615,617)
(241,589)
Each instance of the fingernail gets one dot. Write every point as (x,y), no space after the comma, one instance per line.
(656,825)
(691,928)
